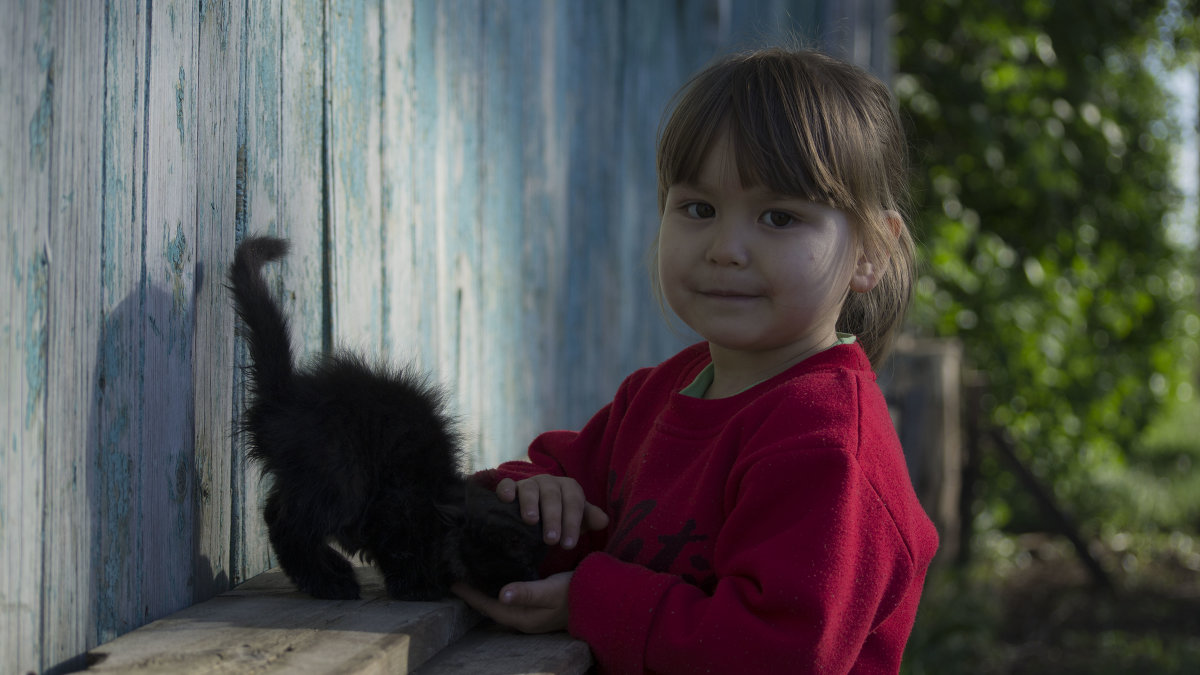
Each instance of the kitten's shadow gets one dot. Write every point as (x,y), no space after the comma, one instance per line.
(142,465)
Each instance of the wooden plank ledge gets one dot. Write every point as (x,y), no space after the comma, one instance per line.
(265,626)
(491,650)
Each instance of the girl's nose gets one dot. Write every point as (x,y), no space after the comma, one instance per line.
(727,246)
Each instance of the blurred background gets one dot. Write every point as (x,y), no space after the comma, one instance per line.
(1055,188)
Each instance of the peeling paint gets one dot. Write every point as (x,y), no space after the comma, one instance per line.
(219,11)
(42,122)
(240,185)
(176,255)
(179,103)
(45,14)
(176,248)
(179,486)
(37,287)
(181,494)
(266,126)
(350,83)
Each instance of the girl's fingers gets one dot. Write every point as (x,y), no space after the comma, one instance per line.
(506,490)
(573,504)
(551,502)
(475,599)
(559,504)
(548,593)
(530,498)
(531,607)
(594,518)
(518,593)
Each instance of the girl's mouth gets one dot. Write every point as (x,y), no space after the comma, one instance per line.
(726,294)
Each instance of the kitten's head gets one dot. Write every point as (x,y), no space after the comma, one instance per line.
(489,545)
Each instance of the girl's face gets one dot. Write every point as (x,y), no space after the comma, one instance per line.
(751,270)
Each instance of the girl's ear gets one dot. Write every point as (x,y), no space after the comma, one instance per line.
(868,272)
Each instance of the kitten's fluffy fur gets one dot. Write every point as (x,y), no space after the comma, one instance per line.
(366,458)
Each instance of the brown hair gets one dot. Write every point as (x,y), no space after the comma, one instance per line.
(806,124)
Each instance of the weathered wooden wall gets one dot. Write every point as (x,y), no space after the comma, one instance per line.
(468,185)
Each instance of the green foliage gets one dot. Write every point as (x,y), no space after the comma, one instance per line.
(1023,604)
(1043,140)
(1157,490)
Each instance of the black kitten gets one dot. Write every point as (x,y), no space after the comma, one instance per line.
(368,459)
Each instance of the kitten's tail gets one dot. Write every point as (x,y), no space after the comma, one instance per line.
(270,345)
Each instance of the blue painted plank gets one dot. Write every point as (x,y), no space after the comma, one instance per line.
(166,481)
(661,51)
(588,310)
(113,480)
(506,369)
(220,51)
(404,312)
(458,209)
(76,169)
(353,141)
(423,201)
(546,209)
(300,174)
(258,212)
(27,51)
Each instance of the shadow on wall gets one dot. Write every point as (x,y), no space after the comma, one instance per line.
(141,470)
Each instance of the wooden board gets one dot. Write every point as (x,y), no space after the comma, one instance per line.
(922,381)
(457,30)
(266,626)
(355,254)
(114,477)
(491,650)
(259,185)
(167,465)
(73,258)
(403,309)
(506,374)
(26,77)
(298,178)
(220,53)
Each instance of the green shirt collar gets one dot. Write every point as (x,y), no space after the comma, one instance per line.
(704,379)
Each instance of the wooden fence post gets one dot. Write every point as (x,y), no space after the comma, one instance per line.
(923,387)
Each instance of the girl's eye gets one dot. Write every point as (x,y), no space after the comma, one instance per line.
(700,210)
(778,218)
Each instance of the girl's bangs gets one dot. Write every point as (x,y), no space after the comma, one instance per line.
(776,145)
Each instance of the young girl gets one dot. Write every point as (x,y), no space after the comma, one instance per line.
(745,506)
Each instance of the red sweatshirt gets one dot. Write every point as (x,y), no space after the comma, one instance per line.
(774,531)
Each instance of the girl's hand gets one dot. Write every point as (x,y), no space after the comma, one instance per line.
(559,504)
(528,606)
